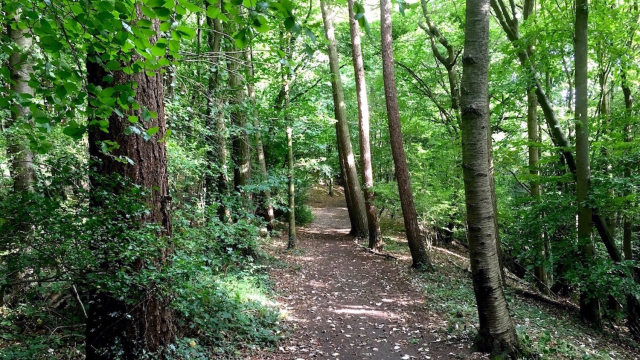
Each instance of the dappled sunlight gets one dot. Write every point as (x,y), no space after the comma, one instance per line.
(378,314)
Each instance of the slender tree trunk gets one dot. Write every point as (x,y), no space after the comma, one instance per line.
(419,254)
(357,199)
(217,184)
(589,307)
(292,202)
(117,328)
(497,332)
(18,153)
(267,206)
(553,124)
(633,304)
(534,157)
(20,69)
(375,237)
(240,148)
(347,192)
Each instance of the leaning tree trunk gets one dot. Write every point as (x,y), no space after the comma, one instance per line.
(497,332)
(357,199)
(132,328)
(375,237)
(267,207)
(240,149)
(589,307)
(417,246)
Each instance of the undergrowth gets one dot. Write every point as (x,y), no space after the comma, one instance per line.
(548,332)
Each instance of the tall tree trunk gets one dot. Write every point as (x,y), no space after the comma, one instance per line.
(117,328)
(347,192)
(18,153)
(589,307)
(216,179)
(240,148)
(497,332)
(553,124)
(419,254)
(292,202)
(357,199)
(534,157)
(20,69)
(267,206)
(375,237)
(633,304)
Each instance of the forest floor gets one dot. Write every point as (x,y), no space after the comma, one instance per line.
(341,302)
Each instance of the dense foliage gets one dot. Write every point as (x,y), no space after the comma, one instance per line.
(58,246)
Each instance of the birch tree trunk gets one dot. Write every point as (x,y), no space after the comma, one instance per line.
(417,246)
(357,199)
(117,328)
(375,237)
(497,332)
(589,307)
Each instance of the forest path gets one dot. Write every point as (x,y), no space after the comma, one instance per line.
(345,303)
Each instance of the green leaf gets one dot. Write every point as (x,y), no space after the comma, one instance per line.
(152,131)
(50,44)
(186,31)
(241,39)
(213,12)
(133,119)
(310,34)
(113,65)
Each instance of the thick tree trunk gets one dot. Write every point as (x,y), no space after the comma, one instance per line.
(265,201)
(589,307)
(292,202)
(419,254)
(117,328)
(240,147)
(375,237)
(357,199)
(497,332)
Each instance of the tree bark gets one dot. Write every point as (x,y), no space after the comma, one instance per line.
(292,203)
(265,202)
(375,237)
(589,307)
(145,327)
(497,332)
(419,254)
(20,69)
(357,199)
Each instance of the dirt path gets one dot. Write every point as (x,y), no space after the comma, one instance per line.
(344,303)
